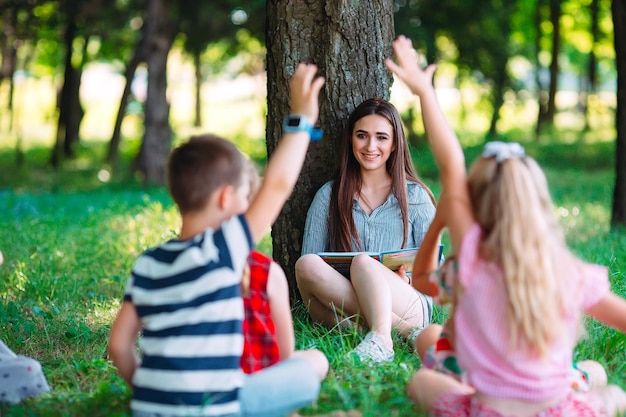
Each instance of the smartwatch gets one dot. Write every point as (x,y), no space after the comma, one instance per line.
(297,123)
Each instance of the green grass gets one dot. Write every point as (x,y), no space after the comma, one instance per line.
(69,241)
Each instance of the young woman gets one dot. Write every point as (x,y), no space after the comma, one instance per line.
(376,203)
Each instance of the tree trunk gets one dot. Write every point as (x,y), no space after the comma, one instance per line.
(618,217)
(555,18)
(497,99)
(64,103)
(8,44)
(155,147)
(76,113)
(348,41)
(198,67)
(131,67)
(593,62)
(541,94)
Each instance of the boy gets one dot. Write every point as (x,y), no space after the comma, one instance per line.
(185,294)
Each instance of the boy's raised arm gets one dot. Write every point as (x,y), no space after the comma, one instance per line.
(286,162)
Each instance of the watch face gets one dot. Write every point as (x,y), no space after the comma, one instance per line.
(293,122)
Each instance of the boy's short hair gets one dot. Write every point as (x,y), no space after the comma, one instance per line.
(198,167)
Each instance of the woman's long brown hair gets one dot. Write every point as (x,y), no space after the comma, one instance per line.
(342,229)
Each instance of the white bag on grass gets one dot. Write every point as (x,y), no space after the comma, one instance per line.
(20,377)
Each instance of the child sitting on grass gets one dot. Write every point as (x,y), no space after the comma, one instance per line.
(185,295)
(435,345)
(519,290)
(268,324)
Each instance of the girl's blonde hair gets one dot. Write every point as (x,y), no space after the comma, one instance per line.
(512,204)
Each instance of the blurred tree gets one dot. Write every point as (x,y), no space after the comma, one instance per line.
(204,23)
(8,47)
(340,38)
(130,31)
(480,31)
(22,28)
(91,29)
(618,217)
(592,84)
(198,24)
(550,109)
(587,47)
(70,110)
(542,96)
(155,147)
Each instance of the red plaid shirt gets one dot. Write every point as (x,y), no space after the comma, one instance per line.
(260,348)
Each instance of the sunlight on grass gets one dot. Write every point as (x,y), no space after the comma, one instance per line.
(15,283)
(584,221)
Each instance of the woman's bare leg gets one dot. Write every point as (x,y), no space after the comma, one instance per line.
(328,295)
(374,296)
(410,309)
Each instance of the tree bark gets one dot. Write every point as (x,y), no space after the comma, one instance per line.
(155,146)
(618,217)
(349,41)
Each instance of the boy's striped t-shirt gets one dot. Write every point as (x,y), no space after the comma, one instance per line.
(188,297)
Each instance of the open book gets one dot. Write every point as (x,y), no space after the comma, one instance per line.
(392,259)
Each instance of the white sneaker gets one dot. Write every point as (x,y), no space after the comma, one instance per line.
(372,349)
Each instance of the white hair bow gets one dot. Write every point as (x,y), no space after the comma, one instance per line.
(503,150)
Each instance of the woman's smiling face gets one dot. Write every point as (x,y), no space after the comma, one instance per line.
(372,142)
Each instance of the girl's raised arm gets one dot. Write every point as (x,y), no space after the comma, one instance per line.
(427,258)
(610,310)
(442,139)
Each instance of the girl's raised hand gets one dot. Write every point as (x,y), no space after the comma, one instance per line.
(407,68)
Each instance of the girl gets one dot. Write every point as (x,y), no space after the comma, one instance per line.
(519,290)
(376,203)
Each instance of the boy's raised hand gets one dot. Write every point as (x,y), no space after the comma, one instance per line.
(407,68)
(305,91)
(286,161)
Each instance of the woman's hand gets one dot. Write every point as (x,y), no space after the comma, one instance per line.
(401,272)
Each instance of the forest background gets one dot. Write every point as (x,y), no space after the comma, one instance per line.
(95,93)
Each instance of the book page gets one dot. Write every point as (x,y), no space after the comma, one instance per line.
(395,259)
